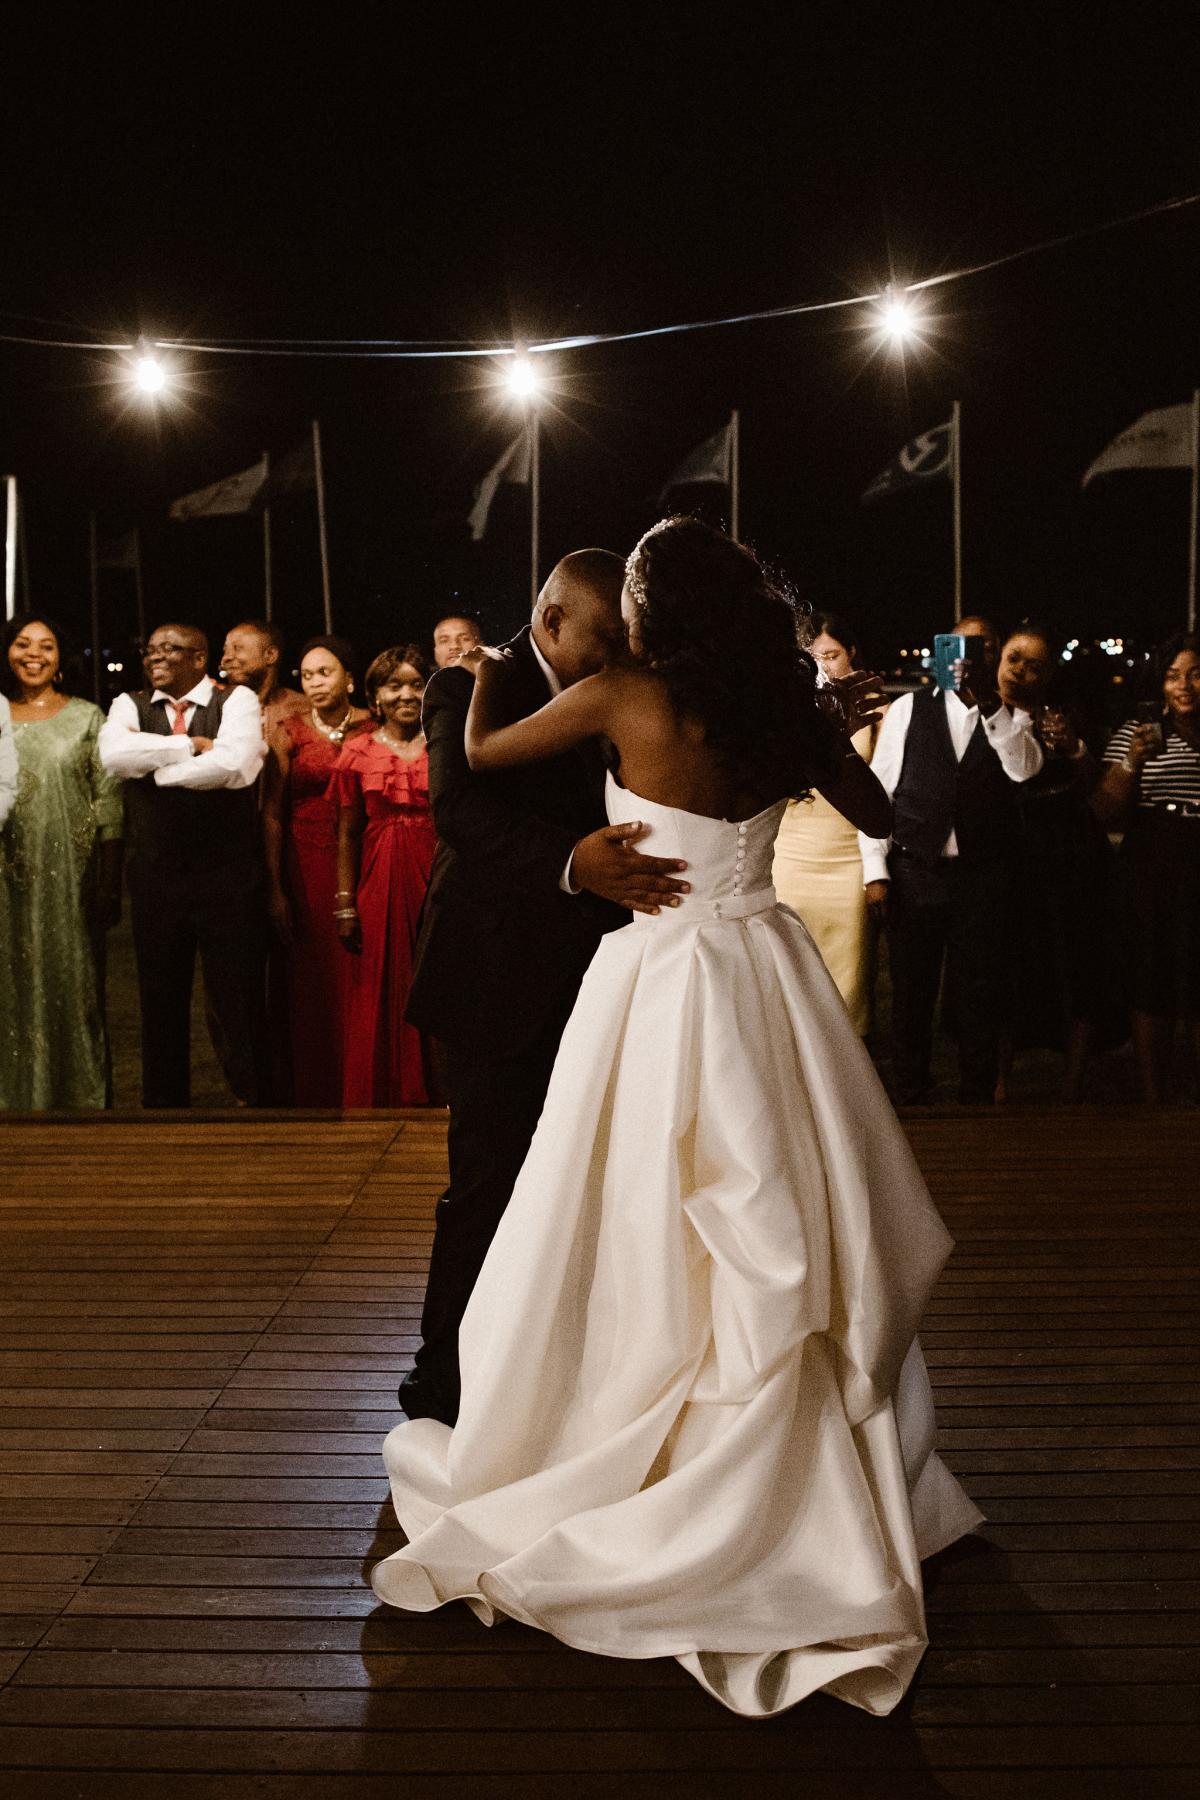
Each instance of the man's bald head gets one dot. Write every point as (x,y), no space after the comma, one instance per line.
(593,577)
(577,620)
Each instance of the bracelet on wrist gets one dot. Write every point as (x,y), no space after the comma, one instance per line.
(346,912)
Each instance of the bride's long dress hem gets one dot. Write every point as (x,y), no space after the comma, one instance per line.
(695,1419)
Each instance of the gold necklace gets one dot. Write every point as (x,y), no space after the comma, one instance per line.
(335,733)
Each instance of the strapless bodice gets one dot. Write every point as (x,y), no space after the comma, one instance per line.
(728,861)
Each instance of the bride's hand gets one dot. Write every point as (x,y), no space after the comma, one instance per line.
(854,701)
(481,657)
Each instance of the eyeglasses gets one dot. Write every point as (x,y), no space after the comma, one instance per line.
(161,649)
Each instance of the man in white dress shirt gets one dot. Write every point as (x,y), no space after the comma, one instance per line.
(189,753)
(941,884)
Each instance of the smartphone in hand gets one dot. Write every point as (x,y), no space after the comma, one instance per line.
(1149,713)
(951,648)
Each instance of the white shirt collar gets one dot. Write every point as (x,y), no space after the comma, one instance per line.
(200,695)
(552,681)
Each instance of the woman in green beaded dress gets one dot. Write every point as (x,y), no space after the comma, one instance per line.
(60,885)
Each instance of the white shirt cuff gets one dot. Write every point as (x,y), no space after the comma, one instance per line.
(874,859)
(565,882)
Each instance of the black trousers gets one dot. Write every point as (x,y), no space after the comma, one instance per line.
(218,913)
(957,915)
(495,1104)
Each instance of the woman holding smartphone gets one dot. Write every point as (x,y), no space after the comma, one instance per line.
(1151,787)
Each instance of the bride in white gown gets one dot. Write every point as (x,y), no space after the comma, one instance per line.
(695,1419)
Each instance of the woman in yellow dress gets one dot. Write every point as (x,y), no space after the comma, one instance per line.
(818,869)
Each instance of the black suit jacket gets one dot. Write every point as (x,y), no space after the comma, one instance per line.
(502,949)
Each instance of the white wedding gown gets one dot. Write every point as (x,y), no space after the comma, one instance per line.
(695,1420)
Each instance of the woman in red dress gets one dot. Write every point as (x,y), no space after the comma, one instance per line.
(300,838)
(386,842)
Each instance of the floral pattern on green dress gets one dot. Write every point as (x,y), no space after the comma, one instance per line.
(52,1033)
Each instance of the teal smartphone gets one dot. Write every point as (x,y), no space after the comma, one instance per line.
(949,648)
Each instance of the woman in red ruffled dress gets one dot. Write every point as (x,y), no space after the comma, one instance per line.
(300,829)
(386,842)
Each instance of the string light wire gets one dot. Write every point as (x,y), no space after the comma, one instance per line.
(443,349)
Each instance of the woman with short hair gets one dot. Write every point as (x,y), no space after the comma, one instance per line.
(300,831)
(386,842)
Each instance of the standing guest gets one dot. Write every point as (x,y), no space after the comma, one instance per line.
(251,658)
(386,842)
(190,754)
(300,833)
(1059,991)
(452,636)
(8,761)
(950,760)
(60,880)
(1151,786)
(818,869)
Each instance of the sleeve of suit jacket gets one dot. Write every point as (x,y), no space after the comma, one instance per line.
(475,814)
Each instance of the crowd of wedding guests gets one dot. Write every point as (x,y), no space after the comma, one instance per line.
(282,838)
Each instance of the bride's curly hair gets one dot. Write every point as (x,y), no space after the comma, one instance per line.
(721,634)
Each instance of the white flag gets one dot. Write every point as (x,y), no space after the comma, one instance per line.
(512,466)
(1158,440)
(710,461)
(236,494)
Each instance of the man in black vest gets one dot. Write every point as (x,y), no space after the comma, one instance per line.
(189,754)
(950,761)
(526,880)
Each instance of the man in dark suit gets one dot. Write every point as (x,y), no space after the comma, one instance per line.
(526,880)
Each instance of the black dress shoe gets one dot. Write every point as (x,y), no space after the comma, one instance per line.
(421,1398)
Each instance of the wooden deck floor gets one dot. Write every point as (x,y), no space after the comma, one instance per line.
(201,1329)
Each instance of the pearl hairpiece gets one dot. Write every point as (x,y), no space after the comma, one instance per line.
(635,584)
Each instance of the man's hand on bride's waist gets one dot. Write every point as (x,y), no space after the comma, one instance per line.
(605,863)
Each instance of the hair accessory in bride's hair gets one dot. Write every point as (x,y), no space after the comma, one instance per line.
(634,582)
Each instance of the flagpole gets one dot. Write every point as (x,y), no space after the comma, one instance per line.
(955,435)
(535,502)
(95,586)
(319,471)
(137,582)
(10,547)
(1195,510)
(735,473)
(23,551)
(267,595)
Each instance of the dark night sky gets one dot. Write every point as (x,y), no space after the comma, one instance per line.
(651,167)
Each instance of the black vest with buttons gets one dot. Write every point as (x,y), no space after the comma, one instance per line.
(936,793)
(186,828)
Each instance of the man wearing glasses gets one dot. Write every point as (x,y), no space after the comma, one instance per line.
(189,754)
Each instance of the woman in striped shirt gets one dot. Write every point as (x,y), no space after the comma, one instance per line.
(1151,787)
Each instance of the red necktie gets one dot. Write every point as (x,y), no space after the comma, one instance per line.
(179,728)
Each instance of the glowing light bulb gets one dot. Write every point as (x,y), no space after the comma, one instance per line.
(896,316)
(521,378)
(149,375)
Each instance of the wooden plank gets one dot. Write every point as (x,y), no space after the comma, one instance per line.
(362,1749)
(228,1604)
